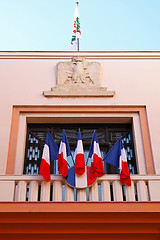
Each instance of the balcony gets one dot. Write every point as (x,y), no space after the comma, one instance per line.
(29,188)
(32,208)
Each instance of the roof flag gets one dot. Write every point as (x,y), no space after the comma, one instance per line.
(76,35)
(117,157)
(97,169)
(50,153)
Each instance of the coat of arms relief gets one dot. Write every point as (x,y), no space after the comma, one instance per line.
(78,73)
(78,78)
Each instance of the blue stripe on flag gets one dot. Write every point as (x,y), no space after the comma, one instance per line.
(114,154)
(71,177)
(53,148)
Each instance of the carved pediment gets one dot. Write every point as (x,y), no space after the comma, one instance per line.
(78,78)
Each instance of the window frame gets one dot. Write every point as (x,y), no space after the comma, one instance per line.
(22,115)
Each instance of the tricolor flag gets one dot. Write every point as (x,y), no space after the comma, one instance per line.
(117,157)
(64,152)
(50,153)
(97,169)
(79,156)
(76,35)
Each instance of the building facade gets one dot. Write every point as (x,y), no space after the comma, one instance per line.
(116,93)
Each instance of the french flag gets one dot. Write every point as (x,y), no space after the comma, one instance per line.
(50,153)
(64,152)
(97,169)
(79,156)
(117,157)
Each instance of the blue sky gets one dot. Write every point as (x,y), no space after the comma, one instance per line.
(106,25)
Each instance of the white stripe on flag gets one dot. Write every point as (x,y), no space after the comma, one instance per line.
(45,154)
(122,158)
(96,150)
(79,148)
(62,148)
(81,180)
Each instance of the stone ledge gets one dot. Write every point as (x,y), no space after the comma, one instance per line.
(98,92)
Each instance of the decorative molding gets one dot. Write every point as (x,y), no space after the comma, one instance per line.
(132,55)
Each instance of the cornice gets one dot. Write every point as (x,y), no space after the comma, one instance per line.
(101,55)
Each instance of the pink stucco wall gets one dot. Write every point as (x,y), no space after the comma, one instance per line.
(134,76)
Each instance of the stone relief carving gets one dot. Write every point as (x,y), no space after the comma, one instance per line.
(78,73)
(78,78)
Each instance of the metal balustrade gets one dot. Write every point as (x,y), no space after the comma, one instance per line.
(107,188)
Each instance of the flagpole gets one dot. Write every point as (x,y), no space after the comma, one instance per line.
(78,44)
(77,38)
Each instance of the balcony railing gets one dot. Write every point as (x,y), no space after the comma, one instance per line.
(107,188)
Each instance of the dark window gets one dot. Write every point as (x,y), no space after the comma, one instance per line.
(107,135)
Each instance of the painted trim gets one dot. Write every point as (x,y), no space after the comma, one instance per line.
(17,110)
(12,141)
(81,207)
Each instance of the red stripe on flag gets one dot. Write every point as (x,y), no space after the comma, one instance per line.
(79,164)
(124,174)
(90,180)
(62,165)
(45,170)
(97,169)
